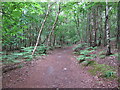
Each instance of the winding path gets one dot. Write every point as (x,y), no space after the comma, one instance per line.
(57,70)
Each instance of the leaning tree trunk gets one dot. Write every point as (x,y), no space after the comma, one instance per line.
(53,27)
(39,35)
(107,30)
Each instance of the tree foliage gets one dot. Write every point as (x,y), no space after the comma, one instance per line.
(76,22)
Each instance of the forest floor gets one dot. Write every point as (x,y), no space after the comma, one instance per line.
(58,69)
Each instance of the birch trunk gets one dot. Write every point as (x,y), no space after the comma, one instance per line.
(40,31)
(107,30)
(53,27)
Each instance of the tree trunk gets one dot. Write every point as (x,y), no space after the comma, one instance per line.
(54,37)
(100,28)
(118,38)
(39,35)
(105,43)
(118,24)
(89,29)
(107,30)
(77,24)
(53,27)
(94,26)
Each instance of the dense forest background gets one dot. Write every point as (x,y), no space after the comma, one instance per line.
(31,28)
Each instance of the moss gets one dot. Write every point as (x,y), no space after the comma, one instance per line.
(105,71)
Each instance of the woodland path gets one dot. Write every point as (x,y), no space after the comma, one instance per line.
(57,70)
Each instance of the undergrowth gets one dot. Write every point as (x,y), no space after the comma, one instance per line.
(23,55)
(85,58)
(104,71)
(85,54)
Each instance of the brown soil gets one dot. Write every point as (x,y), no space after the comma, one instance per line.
(59,69)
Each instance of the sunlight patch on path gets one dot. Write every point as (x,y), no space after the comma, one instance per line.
(50,70)
(59,56)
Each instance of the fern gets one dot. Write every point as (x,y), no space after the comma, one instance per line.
(15,61)
(116,54)
(86,52)
(80,46)
(25,54)
(86,63)
(102,56)
(89,57)
(102,53)
(81,58)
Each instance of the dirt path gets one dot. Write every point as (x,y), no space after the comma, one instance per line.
(57,70)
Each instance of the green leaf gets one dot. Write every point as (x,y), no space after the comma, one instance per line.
(16,13)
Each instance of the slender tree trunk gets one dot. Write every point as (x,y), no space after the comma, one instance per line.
(77,24)
(89,29)
(100,28)
(53,27)
(118,38)
(118,25)
(107,30)
(94,12)
(92,26)
(105,43)
(39,35)
(54,39)
(96,30)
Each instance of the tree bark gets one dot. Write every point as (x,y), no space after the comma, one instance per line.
(40,31)
(118,25)
(53,27)
(100,27)
(89,29)
(105,43)
(77,24)
(107,30)
(94,26)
